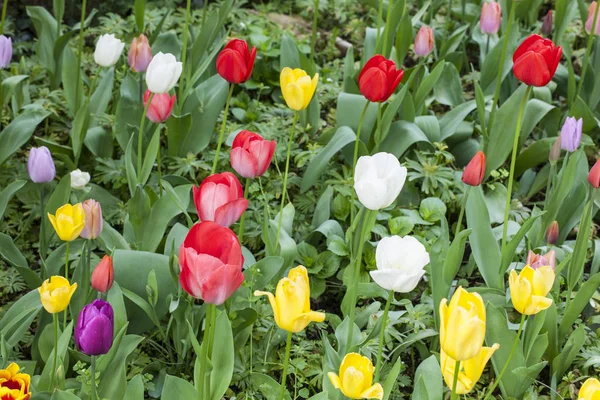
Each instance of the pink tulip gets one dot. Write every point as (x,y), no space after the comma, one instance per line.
(93,219)
(250,154)
(536,261)
(590,19)
(491,13)
(140,54)
(161,106)
(424,41)
(220,198)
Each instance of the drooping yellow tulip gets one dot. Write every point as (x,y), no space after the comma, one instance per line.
(470,370)
(291,303)
(356,378)
(462,325)
(55,294)
(590,390)
(528,289)
(68,222)
(297,88)
(13,384)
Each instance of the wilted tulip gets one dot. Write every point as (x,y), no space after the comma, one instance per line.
(536,261)
(68,222)
(14,385)
(6,51)
(424,41)
(250,154)
(594,175)
(378,179)
(552,233)
(94,329)
(535,61)
(491,15)
(547,24)
(379,78)
(555,151)
(475,170)
(160,107)
(163,73)
(570,134)
(528,289)
(400,263)
(103,275)
(590,19)
(55,293)
(93,219)
(297,88)
(590,390)
(235,61)
(220,198)
(108,50)
(355,380)
(470,370)
(40,165)
(140,54)
(79,179)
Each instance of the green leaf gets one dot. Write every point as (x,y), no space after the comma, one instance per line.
(19,317)
(392,378)
(267,386)
(60,395)
(258,276)
(19,131)
(63,345)
(46,27)
(79,130)
(8,193)
(511,247)
(9,85)
(102,95)
(177,388)
(564,359)
(150,157)
(135,388)
(129,167)
(449,89)
(428,84)
(222,358)
(402,136)
(428,378)
(450,122)
(139,8)
(113,383)
(10,252)
(579,302)
(73,88)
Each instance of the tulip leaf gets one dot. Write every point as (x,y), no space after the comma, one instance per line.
(267,386)
(450,122)
(150,157)
(491,64)
(428,380)
(222,358)
(392,378)
(113,384)
(135,388)
(46,27)
(348,111)
(576,265)
(564,12)
(60,395)
(402,136)
(259,275)
(428,84)
(63,345)
(177,388)
(79,130)
(9,85)
(579,302)
(115,298)
(139,7)
(19,131)
(565,358)
(128,111)
(73,87)
(438,256)
(391,110)
(7,194)
(19,317)
(510,250)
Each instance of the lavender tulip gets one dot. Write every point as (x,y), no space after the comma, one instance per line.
(5,51)
(40,165)
(94,330)
(570,134)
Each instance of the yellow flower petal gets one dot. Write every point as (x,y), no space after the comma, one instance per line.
(590,390)
(335,380)
(374,392)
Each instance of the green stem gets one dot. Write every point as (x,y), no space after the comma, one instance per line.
(141,87)
(462,211)
(588,52)
(4,6)
(186,31)
(549,184)
(313,39)
(379,18)
(158,167)
(285,176)
(211,339)
(449,17)
(42,224)
(86,278)
(387,28)
(382,334)
(55,323)
(80,52)
(512,352)
(378,131)
(264,197)
(93,376)
(513,160)
(455,380)
(204,356)
(487,45)
(141,136)
(204,11)
(92,87)
(355,159)
(68,245)
(286,361)
(241,227)
(222,133)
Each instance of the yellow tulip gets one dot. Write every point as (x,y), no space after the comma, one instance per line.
(56,293)
(356,378)
(470,370)
(291,303)
(297,87)
(68,222)
(462,325)
(14,385)
(528,289)
(590,390)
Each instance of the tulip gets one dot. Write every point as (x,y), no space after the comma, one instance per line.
(535,61)
(491,15)
(462,325)
(108,50)
(590,390)
(160,107)
(250,154)
(536,261)
(55,294)
(400,263)
(570,134)
(220,198)
(379,78)
(424,41)
(163,73)
(378,179)
(528,289)
(356,378)
(6,51)
(14,385)
(475,170)
(547,24)
(94,329)
(211,263)
(470,370)
(93,219)
(40,165)
(68,222)
(103,275)
(297,88)
(79,179)
(552,233)
(235,61)
(594,175)
(140,54)
(291,302)
(590,19)
(555,151)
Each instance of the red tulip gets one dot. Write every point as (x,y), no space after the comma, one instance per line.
(475,170)
(594,175)
(160,107)
(220,198)
(235,61)
(379,78)
(536,60)
(211,261)
(250,154)
(103,275)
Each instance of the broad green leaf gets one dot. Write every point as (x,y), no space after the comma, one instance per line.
(10,252)
(8,193)
(177,388)
(135,388)
(222,358)
(392,378)
(402,136)
(428,84)
(139,7)
(19,317)
(19,131)
(150,157)
(428,371)
(79,130)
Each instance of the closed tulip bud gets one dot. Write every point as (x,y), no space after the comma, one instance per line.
(108,50)
(400,263)
(211,261)
(140,54)
(462,325)
(103,275)
(40,165)
(594,175)
(220,198)
(14,385)
(547,24)
(55,294)
(379,78)
(163,73)
(79,179)
(536,261)
(475,170)
(355,380)
(555,151)
(291,302)
(491,15)
(570,134)
(552,233)
(535,61)
(250,154)
(470,370)
(235,61)
(94,329)
(160,107)
(424,41)
(590,19)
(297,87)
(590,390)
(378,179)
(6,51)
(93,219)
(528,289)
(68,222)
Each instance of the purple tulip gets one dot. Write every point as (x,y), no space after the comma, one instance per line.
(5,51)
(40,165)
(570,134)
(94,330)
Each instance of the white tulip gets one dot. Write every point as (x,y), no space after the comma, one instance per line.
(378,180)
(400,262)
(108,50)
(79,179)
(163,73)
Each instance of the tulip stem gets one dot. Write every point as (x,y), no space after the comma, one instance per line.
(4,6)
(286,361)
(378,131)
(549,184)
(382,334)
(379,18)
(186,30)
(455,380)
(222,133)
(43,218)
(79,53)
(512,352)
(487,45)
(387,29)
(93,378)
(285,176)
(313,39)
(55,323)
(462,211)
(241,228)
(158,166)
(355,159)
(201,385)
(513,160)
(68,245)
(141,137)
(588,52)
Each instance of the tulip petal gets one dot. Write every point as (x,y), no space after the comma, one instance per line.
(538,303)
(230,212)
(335,380)
(532,69)
(304,319)
(353,382)
(222,283)
(374,392)
(243,162)
(293,96)
(400,281)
